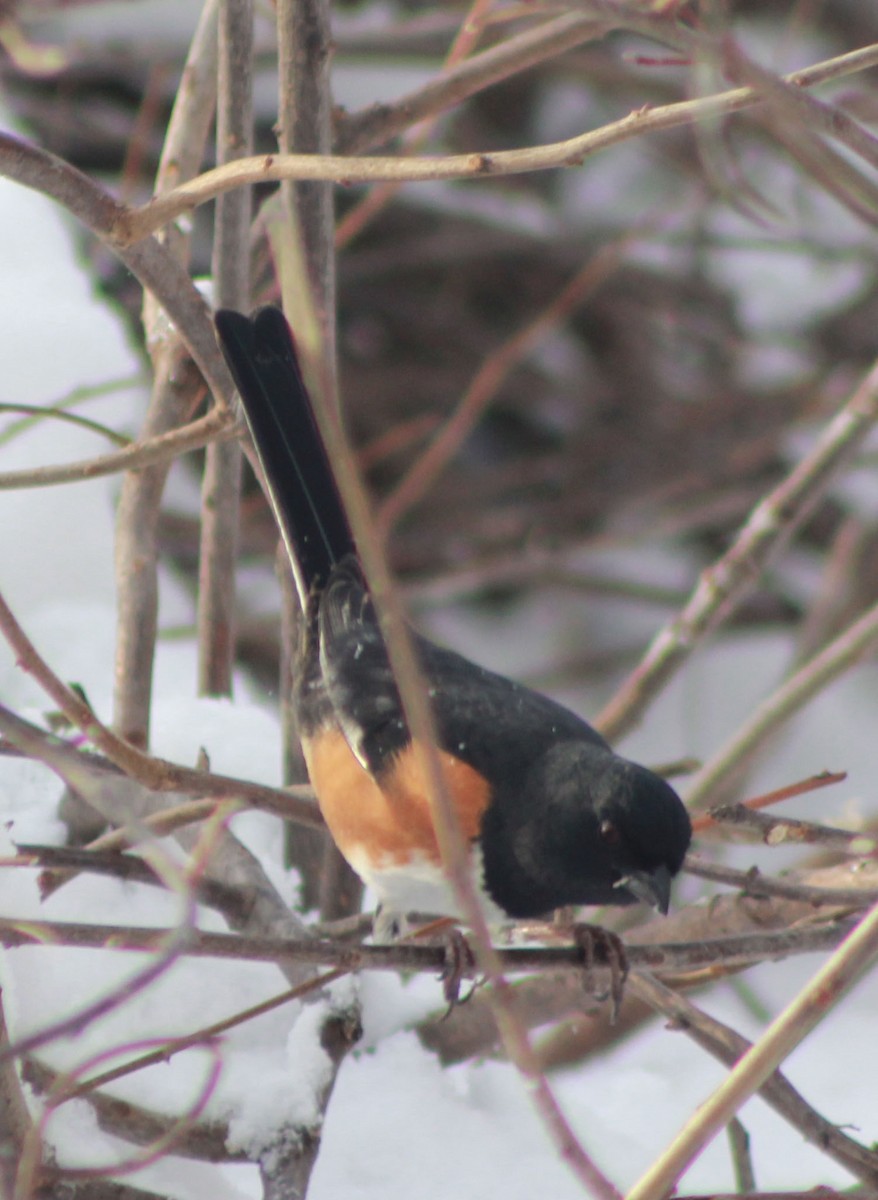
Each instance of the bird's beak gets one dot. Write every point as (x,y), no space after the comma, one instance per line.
(652,887)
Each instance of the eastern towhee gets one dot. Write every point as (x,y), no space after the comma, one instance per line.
(553,816)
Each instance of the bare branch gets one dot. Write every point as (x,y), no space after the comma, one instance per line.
(221,485)
(79,770)
(849,648)
(730,952)
(146,452)
(138,223)
(444,444)
(855,955)
(728,1046)
(767,531)
(15,1124)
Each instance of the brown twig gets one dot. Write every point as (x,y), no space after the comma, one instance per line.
(703,821)
(305,109)
(825,1193)
(855,955)
(31,414)
(137,548)
(797,119)
(133,1123)
(722,585)
(742,1160)
(592,20)
(129,867)
(489,378)
(145,452)
(120,752)
(221,483)
(376,200)
(78,769)
(15,1121)
(168,1134)
(171,403)
(849,647)
(754,883)
(135,224)
(519,52)
(728,1046)
(728,952)
(781,831)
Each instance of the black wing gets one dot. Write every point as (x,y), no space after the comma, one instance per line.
(494,725)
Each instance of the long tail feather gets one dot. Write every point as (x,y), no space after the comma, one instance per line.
(261,355)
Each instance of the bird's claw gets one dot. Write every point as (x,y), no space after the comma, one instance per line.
(601,948)
(460,963)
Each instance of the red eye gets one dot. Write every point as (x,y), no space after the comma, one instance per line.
(610,833)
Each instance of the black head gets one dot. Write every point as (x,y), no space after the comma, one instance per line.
(588,827)
(644,830)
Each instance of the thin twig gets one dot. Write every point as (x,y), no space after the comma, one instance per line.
(703,821)
(742,1160)
(753,883)
(137,547)
(782,831)
(375,201)
(155,1150)
(379,123)
(767,531)
(305,107)
(134,1123)
(78,769)
(145,452)
(673,957)
(855,955)
(489,378)
(133,224)
(850,647)
(796,119)
(221,484)
(725,1044)
(67,860)
(15,1121)
(31,414)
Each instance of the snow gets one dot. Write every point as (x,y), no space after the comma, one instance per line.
(398,1124)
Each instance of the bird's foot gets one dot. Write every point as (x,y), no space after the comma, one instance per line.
(460,961)
(602,949)
(460,964)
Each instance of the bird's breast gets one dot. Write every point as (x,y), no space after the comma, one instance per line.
(386,820)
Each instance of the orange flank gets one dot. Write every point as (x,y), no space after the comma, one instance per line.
(390,820)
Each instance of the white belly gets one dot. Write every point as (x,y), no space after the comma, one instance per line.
(421,887)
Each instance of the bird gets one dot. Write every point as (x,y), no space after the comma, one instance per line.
(552,816)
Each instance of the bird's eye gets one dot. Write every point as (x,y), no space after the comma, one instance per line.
(610,833)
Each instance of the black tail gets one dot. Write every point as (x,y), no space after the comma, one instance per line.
(262,358)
